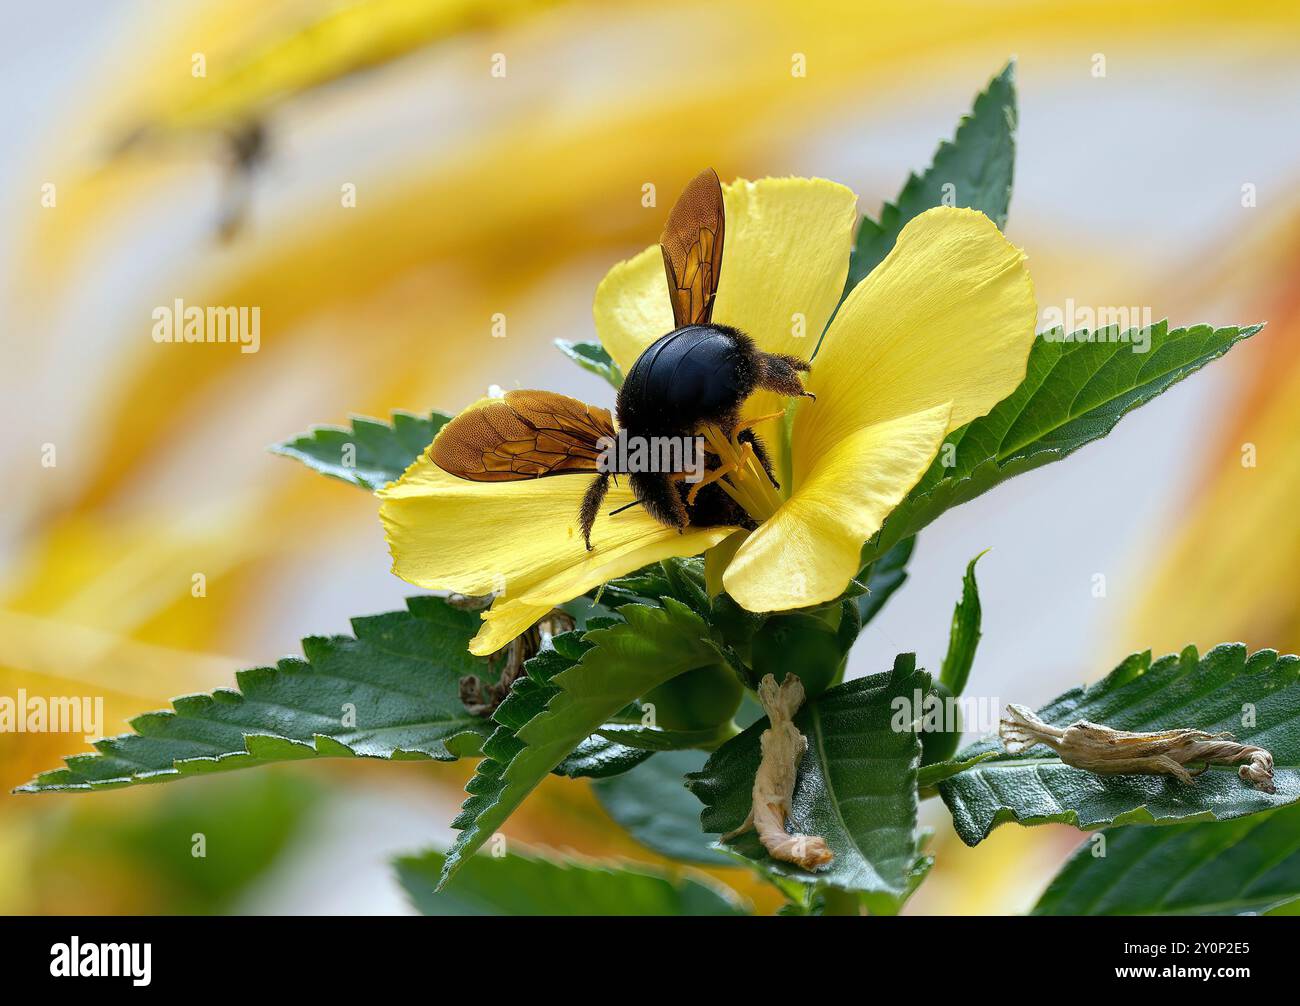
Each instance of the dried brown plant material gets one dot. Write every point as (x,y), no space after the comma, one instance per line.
(783,748)
(481,698)
(1100,749)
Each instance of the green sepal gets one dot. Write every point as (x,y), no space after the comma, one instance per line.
(592,357)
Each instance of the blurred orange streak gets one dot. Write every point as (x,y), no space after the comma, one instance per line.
(1228,571)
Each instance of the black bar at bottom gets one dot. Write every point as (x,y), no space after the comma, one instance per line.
(338,955)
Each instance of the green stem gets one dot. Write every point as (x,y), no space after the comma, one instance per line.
(838,902)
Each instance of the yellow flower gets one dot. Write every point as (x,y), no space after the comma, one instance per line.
(936,336)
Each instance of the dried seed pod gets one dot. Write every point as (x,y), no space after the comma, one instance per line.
(783,748)
(1106,751)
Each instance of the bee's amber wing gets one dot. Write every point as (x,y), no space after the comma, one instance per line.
(525,435)
(692,247)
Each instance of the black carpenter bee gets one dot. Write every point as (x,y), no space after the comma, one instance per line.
(692,379)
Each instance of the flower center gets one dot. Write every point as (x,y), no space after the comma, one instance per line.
(739,473)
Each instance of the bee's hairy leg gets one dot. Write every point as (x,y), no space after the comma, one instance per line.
(781,374)
(794,362)
(659,495)
(741,432)
(591,501)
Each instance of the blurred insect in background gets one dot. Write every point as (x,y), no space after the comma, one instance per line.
(233,113)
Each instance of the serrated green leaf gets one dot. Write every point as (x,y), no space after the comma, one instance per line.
(964,636)
(882,577)
(645,586)
(530,884)
(686,583)
(550,712)
(653,804)
(1074,393)
(601,757)
(370,454)
(679,578)
(931,775)
(856,786)
(399,677)
(592,357)
(1212,868)
(596,757)
(1214,693)
(658,739)
(978,163)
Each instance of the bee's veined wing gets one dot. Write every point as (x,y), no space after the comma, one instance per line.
(525,435)
(692,247)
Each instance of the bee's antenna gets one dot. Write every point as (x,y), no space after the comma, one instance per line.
(625,506)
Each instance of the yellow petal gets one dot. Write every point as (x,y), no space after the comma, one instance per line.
(784,260)
(632,309)
(948,316)
(718,558)
(784,263)
(808,552)
(785,253)
(510,616)
(519,539)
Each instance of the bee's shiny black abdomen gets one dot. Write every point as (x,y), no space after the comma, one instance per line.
(694,374)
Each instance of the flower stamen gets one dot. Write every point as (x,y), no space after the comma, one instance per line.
(740,474)
(749,424)
(724,469)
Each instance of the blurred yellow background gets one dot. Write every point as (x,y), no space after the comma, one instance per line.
(478,193)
